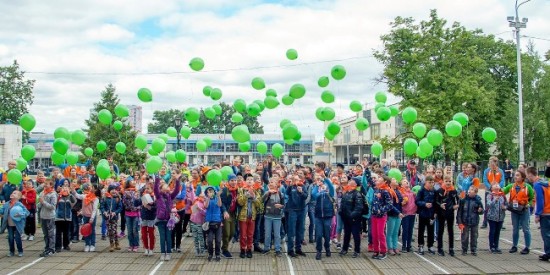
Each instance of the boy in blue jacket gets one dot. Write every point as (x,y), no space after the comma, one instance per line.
(110,208)
(425,201)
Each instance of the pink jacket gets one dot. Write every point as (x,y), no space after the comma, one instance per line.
(198,213)
(410,207)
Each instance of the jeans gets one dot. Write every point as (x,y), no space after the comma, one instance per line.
(322,232)
(214,238)
(339,224)
(48,229)
(14,238)
(469,235)
(521,220)
(90,240)
(392,229)
(272,225)
(378,234)
(295,232)
(259,230)
(484,224)
(104,226)
(228,230)
(424,223)
(311,215)
(442,220)
(62,229)
(408,227)
(247,233)
(494,233)
(132,223)
(545,233)
(353,227)
(77,220)
(165,237)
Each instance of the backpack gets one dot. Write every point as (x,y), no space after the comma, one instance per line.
(128,202)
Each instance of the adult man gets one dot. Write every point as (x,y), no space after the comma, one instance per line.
(237,168)
(491,175)
(229,197)
(412,174)
(542,210)
(295,207)
(547,172)
(508,170)
(7,188)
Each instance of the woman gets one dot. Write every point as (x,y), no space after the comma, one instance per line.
(409,212)
(351,207)
(165,199)
(467,180)
(521,197)
(496,212)
(394,216)
(90,205)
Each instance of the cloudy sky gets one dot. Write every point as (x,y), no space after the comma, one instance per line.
(75,48)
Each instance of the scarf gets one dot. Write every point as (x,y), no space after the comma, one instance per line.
(447,189)
(89,197)
(390,191)
(349,188)
(48,190)
(231,189)
(257,186)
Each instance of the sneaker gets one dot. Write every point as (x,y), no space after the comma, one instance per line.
(421,250)
(311,241)
(431,250)
(67,248)
(24,237)
(257,249)
(525,251)
(464,253)
(249,254)
(318,256)
(130,248)
(209,257)
(163,256)
(278,254)
(189,234)
(451,253)
(226,254)
(382,256)
(242,255)
(11,254)
(483,226)
(338,245)
(328,254)
(135,249)
(370,248)
(46,253)
(146,253)
(151,253)
(167,257)
(474,253)
(265,251)
(31,237)
(544,257)
(343,253)
(87,248)
(355,255)
(498,251)
(178,250)
(217,258)
(103,237)
(92,248)
(72,241)
(57,249)
(375,256)
(20,254)
(292,254)
(121,234)
(301,253)
(440,252)
(513,249)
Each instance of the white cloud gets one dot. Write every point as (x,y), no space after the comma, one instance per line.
(108,33)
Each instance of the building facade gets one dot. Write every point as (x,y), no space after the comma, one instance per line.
(11,136)
(135,117)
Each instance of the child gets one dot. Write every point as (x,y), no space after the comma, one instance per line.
(249,200)
(14,223)
(323,194)
(63,218)
(198,213)
(394,218)
(409,212)
(496,211)
(148,213)
(467,219)
(90,204)
(111,206)
(165,199)
(425,200)
(29,201)
(180,203)
(381,204)
(131,203)
(48,202)
(213,204)
(447,202)
(274,204)
(76,214)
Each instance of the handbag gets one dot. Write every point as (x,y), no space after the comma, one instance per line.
(519,209)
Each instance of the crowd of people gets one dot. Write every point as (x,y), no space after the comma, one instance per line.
(262,206)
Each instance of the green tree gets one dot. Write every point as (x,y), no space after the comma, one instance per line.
(98,131)
(441,70)
(16,93)
(164,119)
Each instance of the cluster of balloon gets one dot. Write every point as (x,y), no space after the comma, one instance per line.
(395,173)
(214,93)
(290,131)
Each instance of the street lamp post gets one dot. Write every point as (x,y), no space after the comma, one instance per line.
(515,23)
(177,121)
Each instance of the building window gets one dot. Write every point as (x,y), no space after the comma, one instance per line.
(346,135)
(375,131)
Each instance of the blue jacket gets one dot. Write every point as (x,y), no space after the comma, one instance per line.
(296,200)
(111,205)
(19,225)
(468,211)
(397,206)
(383,205)
(149,214)
(368,191)
(425,196)
(63,209)
(540,186)
(213,212)
(324,201)
(6,191)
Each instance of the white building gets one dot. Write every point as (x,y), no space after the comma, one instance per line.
(10,143)
(351,145)
(135,117)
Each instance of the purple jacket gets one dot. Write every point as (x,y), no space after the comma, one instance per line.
(165,201)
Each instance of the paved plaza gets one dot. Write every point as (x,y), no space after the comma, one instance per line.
(122,262)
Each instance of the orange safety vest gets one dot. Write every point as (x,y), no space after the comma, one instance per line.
(494,177)
(522,196)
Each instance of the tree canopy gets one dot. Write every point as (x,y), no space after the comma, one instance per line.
(16,93)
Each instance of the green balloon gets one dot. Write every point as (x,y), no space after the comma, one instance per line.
(271,102)
(253,109)
(58,158)
(209,113)
(291,54)
(101,146)
(338,72)
(153,164)
(435,137)
(181,155)
(297,91)
(27,122)
(290,131)
(214,177)
(140,142)
(72,158)
(103,171)
(171,156)
(258,83)
(120,147)
(218,109)
(298,136)
(410,145)
(216,94)
(196,64)
(152,152)
(236,117)
(416,188)
(489,134)
(383,114)
(207,90)
(61,145)
(277,150)
(117,125)
(226,171)
(319,113)
(425,146)
(333,128)
(158,144)
(328,114)
(260,104)
(394,110)
(78,137)
(376,149)
(378,106)
(394,173)
(462,118)
(355,106)
(262,147)
(105,116)
(420,153)
(240,133)
(185,132)
(244,147)
(361,124)
(15,176)
(28,152)
(89,152)
(103,162)
(164,137)
(121,111)
(145,95)
(271,92)
(194,124)
(201,145)
(381,97)
(453,128)
(329,136)
(327,96)
(323,81)
(21,164)
(172,132)
(208,141)
(409,115)
(419,130)
(289,141)
(284,122)
(192,114)
(239,105)
(62,132)
(287,100)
